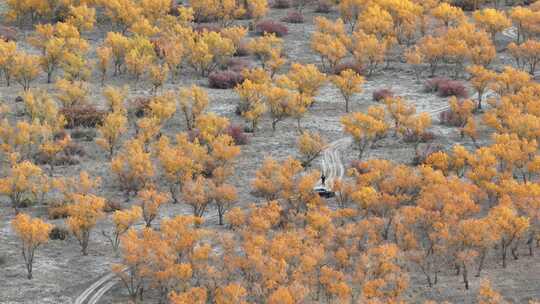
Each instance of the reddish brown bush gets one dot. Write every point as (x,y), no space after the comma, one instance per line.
(84,135)
(323,7)
(8,33)
(239,64)
(381,94)
(293,17)
(57,211)
(242,50)
(423,154)
(58,233)
(207,27)
(139,106)
(281,4)
(83,116)
(409,137)
(225,79)
(432,85)
(445,87)
(452,88)
(112,206)
(238,134)
(349,65)
(271,27)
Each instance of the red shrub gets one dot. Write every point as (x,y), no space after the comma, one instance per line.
(409,137)
(323,7)
(349,65)
(271,27)
(445,87)
(280,4)
(224,79)
(139,106)
(450,118)
(293,17)
(381,94)
(423,154)
(82,116)
(432,85)
(8,33)
(452,88)
(241,50)
(238,134)
(207,27)
(239,64)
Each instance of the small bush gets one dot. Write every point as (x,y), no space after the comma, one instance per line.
(323,7)
(432,85)
(381,94)
(58,233)
(74,149)
(445,87)
(238,134)
(139,106)
(112,206)
(423,154)
(208,28)
(239,64)
(423,138)
(57,211)
(271,27)
(82,116)
(224,79)
(85,135)
(281,4)
(242,50)
(293,17)
(8,33)
(360,166)
(349,65)
(452,88)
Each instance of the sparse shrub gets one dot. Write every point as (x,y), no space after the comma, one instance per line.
(452,88)
(238,134)
(349,65)
(8,33)
(293,17)
(239,64)
(381,94)
(139,106)
(82,116)
(224,79)
(57,160)
(409,137)
(58,233)
(432,85)
(281,4)
(74,149)
(207,27)
(82,134)
(323,7)
(445,87)
(111,206)
(423,154)
(57,211)
(242,50)
(271,27)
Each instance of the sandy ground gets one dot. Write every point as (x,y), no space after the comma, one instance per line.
(61,272)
